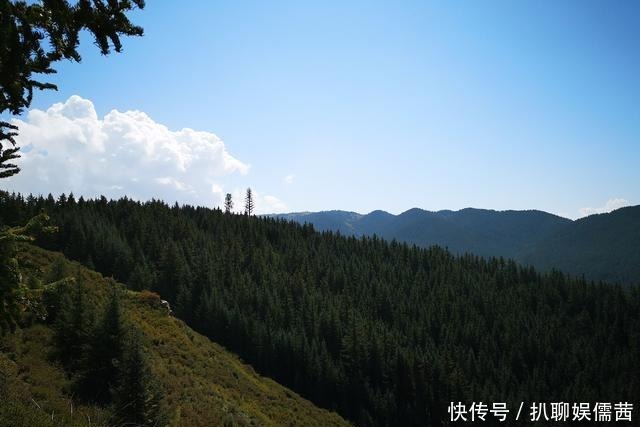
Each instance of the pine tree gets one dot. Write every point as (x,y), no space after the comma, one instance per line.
(228,203)
(141,278)
(184,302)
(73,325)
(248,203)
(138,398)
(100,366)
(173,273)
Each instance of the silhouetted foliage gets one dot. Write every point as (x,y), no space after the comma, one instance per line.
(35,35)
(249,203)
(228,203)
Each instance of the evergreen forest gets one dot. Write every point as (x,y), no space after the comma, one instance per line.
(384,333)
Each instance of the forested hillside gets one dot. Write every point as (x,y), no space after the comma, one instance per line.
(384,333)
(90,353)
(604,246)
(600,247)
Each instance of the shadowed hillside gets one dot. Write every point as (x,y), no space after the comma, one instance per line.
(602,247)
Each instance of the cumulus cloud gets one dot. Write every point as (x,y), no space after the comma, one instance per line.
(611,205)
(68,148)
(288,179)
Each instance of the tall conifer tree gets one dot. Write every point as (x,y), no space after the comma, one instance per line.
(228,203)
(100,373)
(137,398)
(248,203)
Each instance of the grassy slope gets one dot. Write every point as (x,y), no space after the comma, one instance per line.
(204,384)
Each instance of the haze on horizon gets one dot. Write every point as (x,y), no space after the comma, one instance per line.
(358,107)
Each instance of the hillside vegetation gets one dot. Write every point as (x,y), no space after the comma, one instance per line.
(381,332)
(202,383)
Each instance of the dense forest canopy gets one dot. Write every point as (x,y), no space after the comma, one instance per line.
(382,332)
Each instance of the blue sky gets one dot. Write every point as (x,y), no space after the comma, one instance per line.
(387,105)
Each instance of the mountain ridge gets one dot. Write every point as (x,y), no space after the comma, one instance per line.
(531,237)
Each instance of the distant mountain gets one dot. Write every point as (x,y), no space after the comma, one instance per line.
(484,232)
(602,247)
(341,221)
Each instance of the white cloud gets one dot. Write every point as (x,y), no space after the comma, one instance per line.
(288,179)
(611,205)
(166,180)
(272,205)
(68,148)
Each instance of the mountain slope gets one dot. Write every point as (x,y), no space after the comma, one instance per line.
(337,221)
(600,247)
(204,384)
